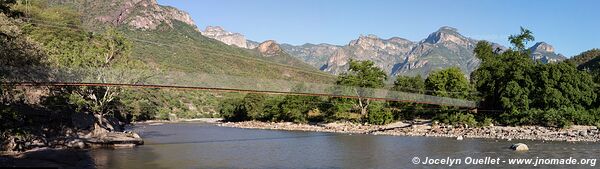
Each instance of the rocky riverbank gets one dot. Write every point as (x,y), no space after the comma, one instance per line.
(573,134)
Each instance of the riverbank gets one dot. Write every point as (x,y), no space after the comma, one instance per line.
(424,128)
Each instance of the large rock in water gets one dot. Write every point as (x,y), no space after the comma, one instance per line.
(519,147)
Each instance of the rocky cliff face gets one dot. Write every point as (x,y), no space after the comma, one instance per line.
(315,55)
(269,48)
(443,48)
(384,52)
(138,14)
(229,38)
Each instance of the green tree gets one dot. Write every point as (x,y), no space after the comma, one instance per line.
(502,79)
(362,77)
(561,85)
(449,82)
(409,84)
(295,108)
(519,41)
(20,55)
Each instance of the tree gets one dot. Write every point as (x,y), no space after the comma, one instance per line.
(20,54)
(503,79)
(530,92)
(106,61)
(295,108)
(449,82)
(409,84)
(362,77)
(561,85)
(521,39)
(5,8)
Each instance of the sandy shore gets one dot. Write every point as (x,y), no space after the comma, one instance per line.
(573,134)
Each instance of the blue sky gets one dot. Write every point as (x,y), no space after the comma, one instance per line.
(570,26)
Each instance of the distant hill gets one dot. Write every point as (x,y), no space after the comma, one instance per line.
(588,60)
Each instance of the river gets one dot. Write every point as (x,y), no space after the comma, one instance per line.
(197,145)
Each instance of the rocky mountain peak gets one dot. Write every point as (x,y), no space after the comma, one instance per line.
(139,14)
(366,42)
(446,34)
(214,29)
(269,48)
(544,52)
(229,38)
(542,47)
(400,40)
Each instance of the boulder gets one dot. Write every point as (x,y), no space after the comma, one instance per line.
(460,138)
(519,147)
(76,144)
(172,117)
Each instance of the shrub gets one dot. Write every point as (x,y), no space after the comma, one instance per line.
(381,117)
(230,110)
(555,118)
(515,118)
(456,118)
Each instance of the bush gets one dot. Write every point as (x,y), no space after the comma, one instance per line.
(555,118)
(456,118)
(529,117)
(562,117)
(230,110)
(381,117)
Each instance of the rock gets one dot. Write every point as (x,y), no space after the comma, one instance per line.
(269,48)
(460,138)
(519,147)
(229,38)
(583,133)
(76,144)
(141,14)
(172,117)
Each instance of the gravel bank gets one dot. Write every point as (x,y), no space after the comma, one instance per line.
(573,134)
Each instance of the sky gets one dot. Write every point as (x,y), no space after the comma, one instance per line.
(571,26)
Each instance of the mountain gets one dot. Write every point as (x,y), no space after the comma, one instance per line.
(229,38)
(168,39)
(443,48)
(273,51)
(588,60)
(315,55)
(545,53)
(384,52)
(138,14)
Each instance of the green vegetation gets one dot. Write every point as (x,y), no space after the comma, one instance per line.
(512,88)
(530,93)
(449,82)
